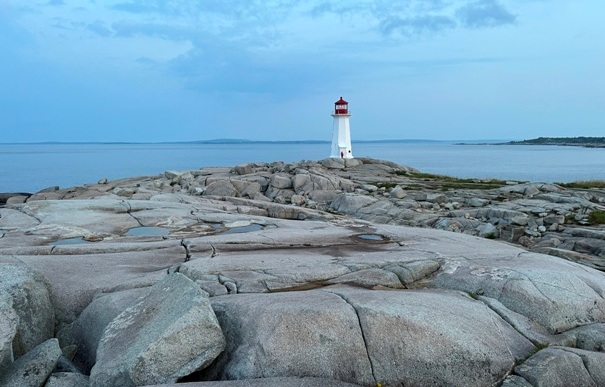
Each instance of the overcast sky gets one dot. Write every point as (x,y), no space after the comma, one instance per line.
(181,70)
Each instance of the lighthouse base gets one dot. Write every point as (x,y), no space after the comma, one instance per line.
(341,153)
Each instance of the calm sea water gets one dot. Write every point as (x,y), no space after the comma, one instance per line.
(31,167)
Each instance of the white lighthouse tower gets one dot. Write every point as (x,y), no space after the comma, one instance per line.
(341,135)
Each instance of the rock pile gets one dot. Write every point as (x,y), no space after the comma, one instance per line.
(544,218)
(301,275)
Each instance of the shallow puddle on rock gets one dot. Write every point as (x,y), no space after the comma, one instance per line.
(69,241)
(371,237)
(147,231)
(249,228)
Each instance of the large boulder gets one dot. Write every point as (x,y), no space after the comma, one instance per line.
(33,368)
(316,180)
(590,337)
(563,367)
(67,379)
(281,181)
(87,330)
(30,293)
(557,294)
(290,334)
(172,332)
(247,188)
(366,337)
(348,203)
(8,328)
(220,188)
(434,337)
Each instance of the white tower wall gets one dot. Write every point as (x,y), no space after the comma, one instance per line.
(341,137)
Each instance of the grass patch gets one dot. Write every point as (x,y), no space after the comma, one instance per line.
(597,217)
(584,184)
(449,182)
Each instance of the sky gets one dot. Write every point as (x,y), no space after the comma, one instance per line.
(184,70)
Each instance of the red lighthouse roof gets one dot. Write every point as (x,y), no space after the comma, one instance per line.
(341,102)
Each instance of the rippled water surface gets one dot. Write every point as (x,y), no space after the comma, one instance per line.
(31,167)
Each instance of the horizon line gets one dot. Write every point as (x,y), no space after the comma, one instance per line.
(227,141)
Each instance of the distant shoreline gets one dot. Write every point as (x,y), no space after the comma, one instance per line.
(239,141)
(585,142)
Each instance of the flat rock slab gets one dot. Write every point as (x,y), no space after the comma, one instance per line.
(366,337)
(559,295)
(75,279)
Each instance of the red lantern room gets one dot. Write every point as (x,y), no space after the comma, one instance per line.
(341,107)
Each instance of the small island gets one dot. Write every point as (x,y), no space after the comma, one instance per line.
(587,142)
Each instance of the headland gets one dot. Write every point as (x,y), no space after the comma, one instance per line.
(334,273)
(587,142)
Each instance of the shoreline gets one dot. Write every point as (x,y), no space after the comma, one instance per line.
(530,214)
(307,264)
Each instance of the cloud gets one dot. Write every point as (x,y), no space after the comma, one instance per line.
(225,67)
(99,28)
(485,13)
(128,29)
(55,2)
(416,25)
(137,7)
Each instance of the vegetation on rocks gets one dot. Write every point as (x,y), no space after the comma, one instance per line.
(584,184)
(597,217)
(589,142)
(449,182)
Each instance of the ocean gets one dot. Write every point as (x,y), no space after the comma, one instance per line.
(32,167)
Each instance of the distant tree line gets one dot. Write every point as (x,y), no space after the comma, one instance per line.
(592,142)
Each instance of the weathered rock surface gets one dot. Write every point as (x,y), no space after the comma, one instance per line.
(312,273)
(173,322)
(32,369)
(87,330)
(322,327)
(561,367)
(8,328)
(31,302)
(265,382)
(67,379)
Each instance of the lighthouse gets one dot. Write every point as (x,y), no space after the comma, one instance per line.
(341,133)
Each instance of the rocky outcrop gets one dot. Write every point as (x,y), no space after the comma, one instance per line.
(305,274)
(543,217)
